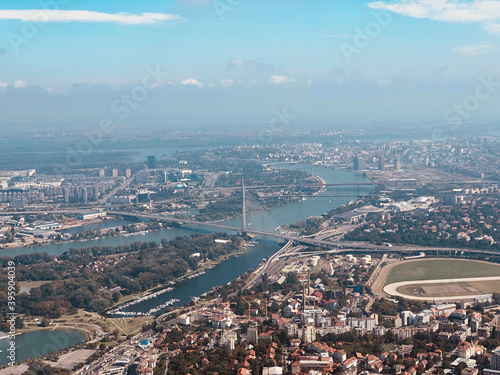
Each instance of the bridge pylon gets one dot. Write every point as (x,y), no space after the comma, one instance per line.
(244,210)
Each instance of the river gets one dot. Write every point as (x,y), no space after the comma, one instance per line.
(227,270)
(37,343)
(266,220)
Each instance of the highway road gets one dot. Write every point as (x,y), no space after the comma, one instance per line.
(319,240)
(331,246)
(124,184)
(265,267)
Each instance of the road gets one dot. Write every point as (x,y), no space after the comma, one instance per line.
(336,246)
(265,267)
(371,300)
(376,270)
(98,332)
(125,183)
(112,356)
(391,289)
(319,239)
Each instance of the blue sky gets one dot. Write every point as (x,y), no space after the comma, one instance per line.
(237,60)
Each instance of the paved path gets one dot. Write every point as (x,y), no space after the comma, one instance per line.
(392,288)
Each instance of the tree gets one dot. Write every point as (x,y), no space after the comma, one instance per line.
(116,296)
(44,322)
(460,367)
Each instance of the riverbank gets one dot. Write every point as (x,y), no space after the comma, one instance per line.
(103,235)
(64,232)
(115,310)
(57,327)
(38,343)
(223,272)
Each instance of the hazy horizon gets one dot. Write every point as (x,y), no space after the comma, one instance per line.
(204,62)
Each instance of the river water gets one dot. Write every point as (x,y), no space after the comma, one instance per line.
(37,343)
(267,220)
(224,272)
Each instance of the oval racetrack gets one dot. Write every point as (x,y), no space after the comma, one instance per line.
(392,289)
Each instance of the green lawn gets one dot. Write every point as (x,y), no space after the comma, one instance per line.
(430,269)
(467,288)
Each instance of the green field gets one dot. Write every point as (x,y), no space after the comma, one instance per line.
(430,269)
(453,289)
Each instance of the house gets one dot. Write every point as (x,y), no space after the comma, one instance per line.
(333,304)
(308,363)
(340,355)
(470,371)
(275,371)
(349,363)
(465,350)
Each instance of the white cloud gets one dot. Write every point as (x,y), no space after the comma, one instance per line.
(226,82)
(485,12)
(3,85)
(278,80)
(21,84)
(56,15)
(493,28)
(474,49)
(191,81)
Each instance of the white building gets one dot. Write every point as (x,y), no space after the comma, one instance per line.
(465,350)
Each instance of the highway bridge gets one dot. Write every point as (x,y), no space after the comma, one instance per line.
(330,246)
(280,236)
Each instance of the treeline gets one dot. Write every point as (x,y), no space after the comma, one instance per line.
(221,361)
(78,282)
(313,224)
(192,362)
(417,236)
(437,228)
(232,206)
(40,368)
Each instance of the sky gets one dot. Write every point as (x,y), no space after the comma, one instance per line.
(203,62)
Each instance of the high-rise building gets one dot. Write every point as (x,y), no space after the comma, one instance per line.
(451,199)
(253,334)
(359,163)
(128,173)
(102,173)
(397,162)
(85,195)
(308,334)
(151,162)
(66,195)
(381,163)
(494,363)
(115,172)
(495,359)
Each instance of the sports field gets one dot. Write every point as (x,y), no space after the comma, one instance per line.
(433,269)
(438,279)
(451,289)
